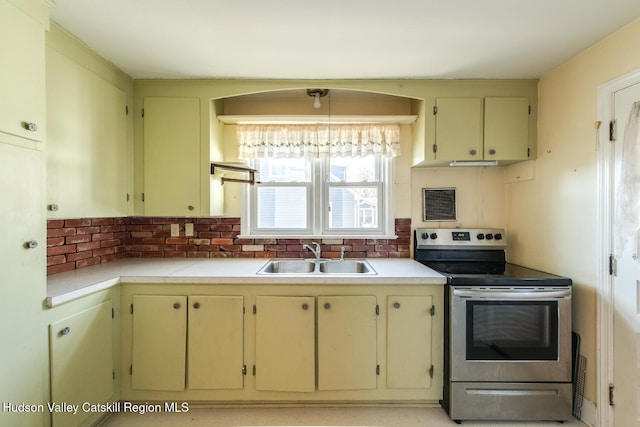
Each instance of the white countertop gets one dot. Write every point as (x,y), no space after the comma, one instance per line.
(64,287)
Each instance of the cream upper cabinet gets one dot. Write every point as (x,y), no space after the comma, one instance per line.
(216,342)
(22,78)
(159,342)
(347,342)
(409,341)
(285,343)
(81,355)
(506,129)
(87,165)
(171,156)
(458,129)
(474,129)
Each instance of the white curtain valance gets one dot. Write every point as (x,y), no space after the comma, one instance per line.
(315,140)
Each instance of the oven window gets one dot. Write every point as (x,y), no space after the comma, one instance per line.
(512,330)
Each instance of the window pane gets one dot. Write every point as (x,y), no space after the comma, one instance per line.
(282,207)
(353,169)
(282,170)
(353,207)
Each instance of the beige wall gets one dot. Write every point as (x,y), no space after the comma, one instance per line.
(555,213)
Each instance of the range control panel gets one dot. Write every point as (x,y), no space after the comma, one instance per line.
(459,238)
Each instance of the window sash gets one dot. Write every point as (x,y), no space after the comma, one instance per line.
(317,203)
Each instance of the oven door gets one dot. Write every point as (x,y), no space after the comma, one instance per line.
(510,334)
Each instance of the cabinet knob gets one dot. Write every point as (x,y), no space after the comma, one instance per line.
(31,244)
(30,126)
(492,151)
(65,331)
(190,207)
(327,306)
(176,305)
(396,305)
(196,305)
(305,306)
(473,152)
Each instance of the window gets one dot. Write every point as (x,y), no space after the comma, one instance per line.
(327,196)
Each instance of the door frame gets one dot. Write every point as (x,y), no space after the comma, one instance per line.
(604,243)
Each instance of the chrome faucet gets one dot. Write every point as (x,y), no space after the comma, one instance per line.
(316,252)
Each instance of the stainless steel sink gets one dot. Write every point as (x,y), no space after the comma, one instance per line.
(316,267)
(293,266)
(345,267)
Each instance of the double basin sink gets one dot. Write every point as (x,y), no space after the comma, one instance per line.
(317,266)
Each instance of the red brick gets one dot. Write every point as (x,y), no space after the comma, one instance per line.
(87,246)
(88,230)
(221,254)
(61,250)
(87,262)
(102,236)
(57,232)
(79,255)
(110,257)
(230,248)
(79,222)
(176,241)
(78,239)
(175,254)
(222,241)
(266,254)
(102,221)
(60,268)
(104,251)
(55,223)
(199,242)
(110,243)
(55,260)
(55,241)
(199,254)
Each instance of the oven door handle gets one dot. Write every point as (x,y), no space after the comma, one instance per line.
(515,295)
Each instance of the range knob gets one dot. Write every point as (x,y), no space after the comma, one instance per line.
(498,236)
(433,236)
(489,236)
(480,236)
(425,236)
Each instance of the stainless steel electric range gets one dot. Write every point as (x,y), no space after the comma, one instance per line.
(507,329)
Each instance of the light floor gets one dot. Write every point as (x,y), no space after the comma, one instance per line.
(328,417)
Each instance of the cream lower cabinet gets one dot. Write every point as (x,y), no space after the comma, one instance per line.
(215,336)
(409,341)
(285,343)
(159,342)
(300,343)
(347,345)
(81,358)
(167,328)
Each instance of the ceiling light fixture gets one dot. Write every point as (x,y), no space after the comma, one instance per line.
(317,94)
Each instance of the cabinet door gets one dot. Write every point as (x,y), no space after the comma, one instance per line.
(159,342)
(409,341)
(458,129)
(285,343)
(171,156)
(87,167)
(23,282)
(506,128)
(22,78)
(216,342)
(81,357)
(347,342)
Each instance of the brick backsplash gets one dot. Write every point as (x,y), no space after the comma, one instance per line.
(78,243)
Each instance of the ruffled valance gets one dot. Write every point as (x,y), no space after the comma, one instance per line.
(336,140)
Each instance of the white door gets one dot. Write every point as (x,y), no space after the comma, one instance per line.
(626,283)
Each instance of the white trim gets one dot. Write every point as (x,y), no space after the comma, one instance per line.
(604,244)
(312,119)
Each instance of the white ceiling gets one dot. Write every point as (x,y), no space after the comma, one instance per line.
(341,39)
